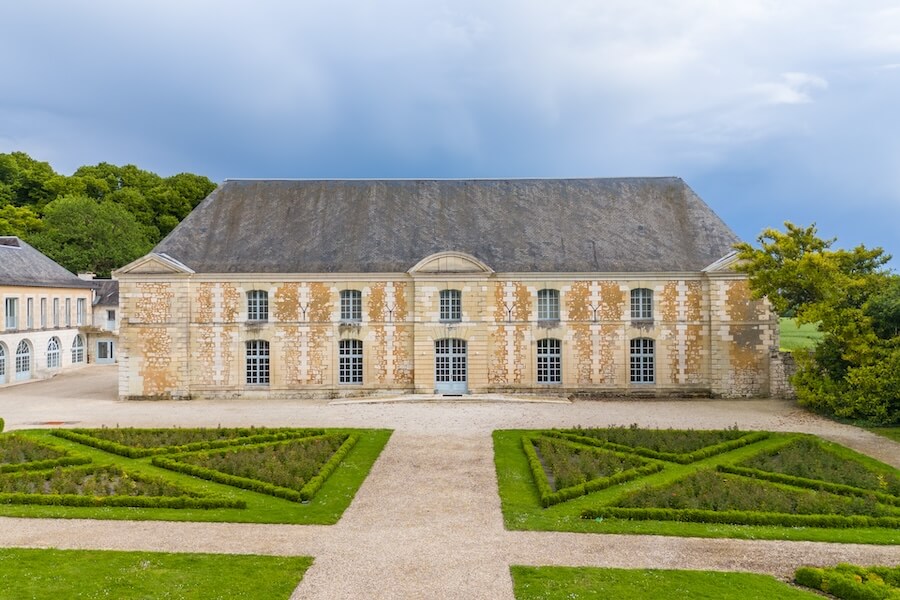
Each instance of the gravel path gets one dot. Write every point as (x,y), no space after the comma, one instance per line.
(426,523)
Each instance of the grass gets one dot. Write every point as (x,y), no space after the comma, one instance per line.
(794,337)
(583,583)
(325,508)
(76,574)
(892,433)
(521,504)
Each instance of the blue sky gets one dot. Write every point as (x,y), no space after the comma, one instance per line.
(770,110)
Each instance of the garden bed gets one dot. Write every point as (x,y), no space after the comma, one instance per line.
(739,484)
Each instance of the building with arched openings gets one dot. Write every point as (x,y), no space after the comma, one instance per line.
(44,312)
(353,287)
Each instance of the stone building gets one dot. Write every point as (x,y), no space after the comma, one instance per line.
(43,309)
(354,287)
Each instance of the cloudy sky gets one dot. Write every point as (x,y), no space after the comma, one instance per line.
(770,110)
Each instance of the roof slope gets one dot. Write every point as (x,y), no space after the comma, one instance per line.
(513,225)
(23,265)
(107,292)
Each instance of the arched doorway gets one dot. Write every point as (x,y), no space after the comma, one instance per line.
(23,361)
(450,366)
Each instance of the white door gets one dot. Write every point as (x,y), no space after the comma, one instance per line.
(106,353)
(450,366)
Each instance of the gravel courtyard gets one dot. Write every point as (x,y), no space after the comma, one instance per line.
(426,523)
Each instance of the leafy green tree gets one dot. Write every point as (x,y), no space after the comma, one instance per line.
(855,302)
(20,221)
(83,234)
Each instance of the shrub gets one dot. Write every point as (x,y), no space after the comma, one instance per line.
(850,582)
(19,453)
(1,425)
(141,440)
(806,458)
(735,517)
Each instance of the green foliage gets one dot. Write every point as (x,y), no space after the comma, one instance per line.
(1,424)
(806,458)
(137,443)
(19,221)
(851,582)
(855,302)
(19,453)
(592,583)
(707,503)
(85,235)
(41,574)
(155,205)
(793,336)
(294,469)
(674,445)
(101,486)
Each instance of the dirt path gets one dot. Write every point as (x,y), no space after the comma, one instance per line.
(426,523)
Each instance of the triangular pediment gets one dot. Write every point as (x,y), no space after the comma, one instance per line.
(154,264)
(451,262)
(724,264)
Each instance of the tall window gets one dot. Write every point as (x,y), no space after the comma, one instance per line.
(350,355)
(451,305)
(257,305)
(29,313)
(258,362)
(642,304)
(549,361)
(56,312)
(23,359)
(78,349)
(548,305)
(53,354)
(43,313)
(2,363)
(68,313)
(351,305)
(81,311)
(12,313)
(642,360)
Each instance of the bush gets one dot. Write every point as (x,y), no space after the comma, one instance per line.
(850,582)
(734,517)
(1,425)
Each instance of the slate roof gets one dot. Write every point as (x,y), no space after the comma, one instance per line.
(23,265)
(512,225)
(107,292)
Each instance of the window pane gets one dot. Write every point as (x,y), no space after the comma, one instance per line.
(257,305)
(548,305)
(642,360)
(351,305)
(350,361)
(258,362)
(641,303)
(451,305)
(549,361)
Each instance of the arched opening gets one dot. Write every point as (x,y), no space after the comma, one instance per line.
(23,361)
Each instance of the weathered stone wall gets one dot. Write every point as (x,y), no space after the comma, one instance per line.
(186,335)
(781,370)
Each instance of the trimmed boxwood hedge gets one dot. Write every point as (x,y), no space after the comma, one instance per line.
(850,582)
(734,517)
(78,435)
(683,459)
(549,497)
(1,425)
(39,465)
(303,495)
(813,484)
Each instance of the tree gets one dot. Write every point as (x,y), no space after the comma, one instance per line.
(83,234)
(855,302)
(20,221)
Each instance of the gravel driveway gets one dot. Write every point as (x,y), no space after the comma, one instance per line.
(426,523)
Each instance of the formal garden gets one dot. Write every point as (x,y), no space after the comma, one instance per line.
(257,475)
(724,483)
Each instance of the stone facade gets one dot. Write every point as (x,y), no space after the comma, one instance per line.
(185,334)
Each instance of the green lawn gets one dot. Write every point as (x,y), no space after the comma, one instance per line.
(892,433)
(583,583)
(795,336)
(522,510)
(325,508)
(55,574)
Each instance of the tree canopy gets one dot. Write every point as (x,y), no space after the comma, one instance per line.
(152,205)
(854,371)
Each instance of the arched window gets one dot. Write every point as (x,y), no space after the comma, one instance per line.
(351,305)
(23,360)
(642,360)
(548,305)
(2,363)
(451,305)
(350,357)
(257,305)
(642,304)
(78,349)
(54,358)
(549,361)
(258,362)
